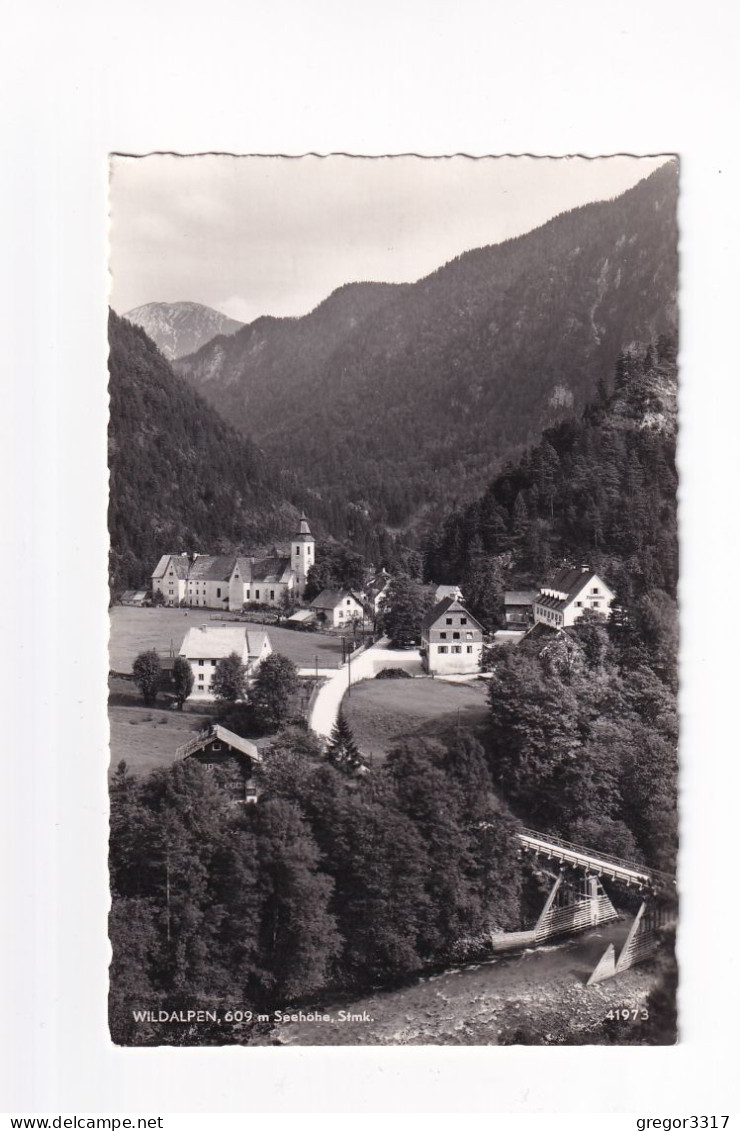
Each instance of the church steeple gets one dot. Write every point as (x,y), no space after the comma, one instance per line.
(302,553)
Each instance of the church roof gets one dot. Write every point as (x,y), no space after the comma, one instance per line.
(208,568)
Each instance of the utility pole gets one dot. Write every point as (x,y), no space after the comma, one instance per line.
(349,675)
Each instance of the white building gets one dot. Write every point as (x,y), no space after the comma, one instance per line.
(451,639)
(337,607)
(565,598)
(230,581)
(170,578)
(203,647)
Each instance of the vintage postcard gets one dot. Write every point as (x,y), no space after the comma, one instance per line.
(393,600)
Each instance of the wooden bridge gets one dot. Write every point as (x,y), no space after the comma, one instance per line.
(578,902)
(591,862)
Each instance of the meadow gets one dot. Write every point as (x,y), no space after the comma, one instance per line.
(133,630)
(382,711)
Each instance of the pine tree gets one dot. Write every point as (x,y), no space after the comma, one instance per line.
(342,751)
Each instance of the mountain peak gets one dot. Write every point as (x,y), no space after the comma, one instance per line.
(180,328)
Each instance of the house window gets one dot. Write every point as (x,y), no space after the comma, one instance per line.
(448,620)
(256,594)
(469,649)
(463,620)
(272,594)
(468,636)
(218,592)
(456,648)
(298,549)
(248,594)
(201,663)
(213,663)
(442,648)
(456,636)
(595,604)
(215,746)
(579,604)
(595,589)
(308,549)
(200,676)
(443,635)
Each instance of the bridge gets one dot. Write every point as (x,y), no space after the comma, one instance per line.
(592,862)
(578,902)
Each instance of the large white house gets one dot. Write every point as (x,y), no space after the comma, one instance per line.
(565,598)
(228,582)
(203,647)
(337,607)
(451,639)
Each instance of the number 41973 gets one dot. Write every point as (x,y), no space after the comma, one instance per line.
(627,1015)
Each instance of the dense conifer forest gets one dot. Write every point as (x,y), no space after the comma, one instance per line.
(181,479)
(329,882)
(599,489)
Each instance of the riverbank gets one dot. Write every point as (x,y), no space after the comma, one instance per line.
(536,997)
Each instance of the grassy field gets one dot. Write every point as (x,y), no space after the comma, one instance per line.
(147,737)
(133,630)
(382,711)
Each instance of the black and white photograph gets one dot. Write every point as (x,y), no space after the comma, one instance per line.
(393,600)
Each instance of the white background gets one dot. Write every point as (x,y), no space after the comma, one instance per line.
(84,78)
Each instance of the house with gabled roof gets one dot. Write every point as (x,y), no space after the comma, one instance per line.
(170,578)
(451,639)
(230,581)
(216,746)
(204,646)
(337,607)
(563,599)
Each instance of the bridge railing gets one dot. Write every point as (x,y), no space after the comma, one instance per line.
(591,854)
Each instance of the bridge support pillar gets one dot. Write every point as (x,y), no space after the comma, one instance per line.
(641,943)
(572,907)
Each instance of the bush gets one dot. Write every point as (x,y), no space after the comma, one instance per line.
(394,673)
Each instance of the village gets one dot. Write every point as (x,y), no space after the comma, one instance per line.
(252,607)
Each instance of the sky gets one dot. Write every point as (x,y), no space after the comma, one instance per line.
(272,235)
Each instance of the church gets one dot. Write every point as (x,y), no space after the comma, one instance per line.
(227,582)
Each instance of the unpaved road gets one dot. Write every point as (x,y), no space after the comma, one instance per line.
(541,992)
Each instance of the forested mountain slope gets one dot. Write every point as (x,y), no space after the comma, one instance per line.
(179,328)
(180,477)
(600,489)
(390,403)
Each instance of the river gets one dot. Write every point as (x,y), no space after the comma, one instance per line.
(537,996)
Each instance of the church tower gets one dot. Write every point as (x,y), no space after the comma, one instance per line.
(303,551)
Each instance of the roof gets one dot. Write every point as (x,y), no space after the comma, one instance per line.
(332,598)
(571,582)
(555,603)
(520,596)
(256,642)
(448,605)
(443,591)
(208,568)
(180,565)
(301,616)
(206,643)
(200,741)
(270,569)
